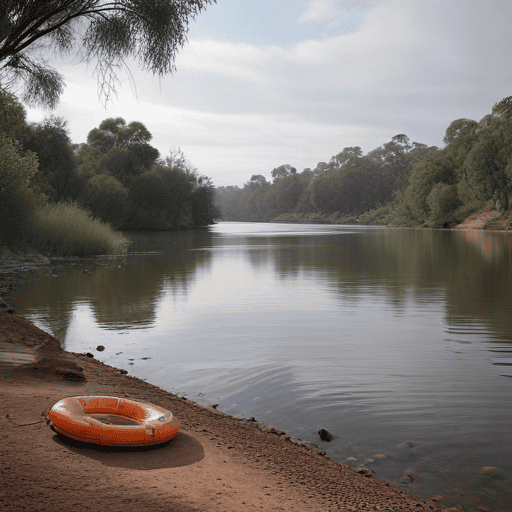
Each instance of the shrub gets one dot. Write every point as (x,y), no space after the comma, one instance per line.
(160,199)
(18,199)
(442,201)
(106,198)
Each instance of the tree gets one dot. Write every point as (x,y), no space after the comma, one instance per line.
(503,108)
(177,160)
(442,200)
(401,138)
(160,199)
(488,166)
(259,179)
(118,149)
(203,207)
(12,115)
(57,164)
(283,171)
(116,133)
(286,194)
(346,155)
(106,198)
(19,199)
(434,168)
(109,32)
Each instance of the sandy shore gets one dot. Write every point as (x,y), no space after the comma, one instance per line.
(216,463)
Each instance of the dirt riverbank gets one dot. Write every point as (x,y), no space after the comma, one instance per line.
(216,463)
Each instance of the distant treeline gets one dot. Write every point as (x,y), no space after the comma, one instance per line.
(116,179)
(398,183)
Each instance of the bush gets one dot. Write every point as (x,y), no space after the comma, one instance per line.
(66,229)
(106,198)
(160,199)
(442,201)
(18,199)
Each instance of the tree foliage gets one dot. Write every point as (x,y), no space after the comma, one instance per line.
(442,200)
(488,165)
(107,32)
(18,197)
(119,149)
(117,177)
(283,171)
(106,198)
(160,199)
(12,115)
(50,141)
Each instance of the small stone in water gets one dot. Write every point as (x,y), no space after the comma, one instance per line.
(492,471)
(325,435)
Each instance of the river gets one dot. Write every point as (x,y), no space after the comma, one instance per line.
(397,341)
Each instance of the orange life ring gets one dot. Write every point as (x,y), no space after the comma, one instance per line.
(109,420)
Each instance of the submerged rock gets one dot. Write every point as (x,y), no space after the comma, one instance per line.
(492,471)
(325,435)
(366,472)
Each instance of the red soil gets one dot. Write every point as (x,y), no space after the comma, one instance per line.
(487,215)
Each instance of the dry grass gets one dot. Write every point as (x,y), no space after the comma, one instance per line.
(66,229)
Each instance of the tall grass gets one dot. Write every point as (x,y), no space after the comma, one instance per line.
(66,229)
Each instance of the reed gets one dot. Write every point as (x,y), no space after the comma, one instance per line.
(66,229)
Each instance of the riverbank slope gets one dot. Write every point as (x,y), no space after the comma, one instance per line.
(486,217)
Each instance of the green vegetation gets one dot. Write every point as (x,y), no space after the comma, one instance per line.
(19,199)
(125,183)
(66,229)
(28,221)
(398,183)
(107,33)
(63,199)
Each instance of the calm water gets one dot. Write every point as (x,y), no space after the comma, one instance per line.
(397,341)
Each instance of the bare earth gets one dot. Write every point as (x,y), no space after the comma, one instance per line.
(487,218)
(216,463)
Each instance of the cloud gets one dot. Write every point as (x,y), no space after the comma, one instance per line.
(319,10)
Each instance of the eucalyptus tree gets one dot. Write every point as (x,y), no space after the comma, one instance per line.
(107,32)
(488,165)
(283,171)
(121,149)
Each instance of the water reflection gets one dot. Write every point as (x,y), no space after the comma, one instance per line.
(120,296)
(382,336)
(472,271)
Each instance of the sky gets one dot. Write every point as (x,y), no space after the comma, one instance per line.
(265,83)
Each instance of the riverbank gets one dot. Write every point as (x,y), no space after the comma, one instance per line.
(216,462)
(486,218)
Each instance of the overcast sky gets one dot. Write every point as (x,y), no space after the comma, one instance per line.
(271,82)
